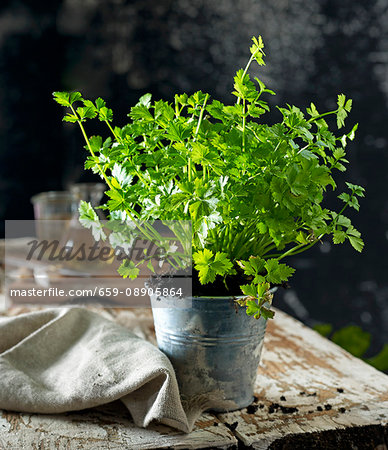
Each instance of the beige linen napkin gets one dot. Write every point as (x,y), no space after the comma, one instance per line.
(68,359)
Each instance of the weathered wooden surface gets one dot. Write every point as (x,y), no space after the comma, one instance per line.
(309,394)
(306,384)
(108,427)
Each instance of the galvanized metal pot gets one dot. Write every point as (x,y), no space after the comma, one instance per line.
(214,347)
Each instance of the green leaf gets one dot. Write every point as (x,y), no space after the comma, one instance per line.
(257,50)
(116,199)
(121,175)
(221,263)
(255,111)
(352,134)
(353,203)
(348,105)
(96,143)
(312,111)
(105,114)
(339,237)
(341,100)
(342,220)
(357,243)
(209,265)
(277,273)
(128,269)
(254,266)
(67,98)
(145,100)
(63,98)
(307,155)
(339,153)
(344,197)
(150,266)
(245,89)
(266,313)
(70,118)
(249,289)
(141,112)
(199,153)
(177,132)
(252,307)
(115,183)
(88,112)
(202,262)
(89,219)
(356,190)
(100,103)
(343,108)
(75,97)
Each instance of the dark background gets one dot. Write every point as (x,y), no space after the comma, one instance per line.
(120,50)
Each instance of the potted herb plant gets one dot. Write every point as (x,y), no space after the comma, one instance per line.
(254,194)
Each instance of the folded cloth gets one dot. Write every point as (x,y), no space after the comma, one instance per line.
(69,359)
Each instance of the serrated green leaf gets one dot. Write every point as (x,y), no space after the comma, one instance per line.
(339,237)
(89,219)
(252,307)
(348,105)
(145,100)
(357,243)
(249,289)
(105,114)
(257,50)
(356,190)
(209,265)
(63,98)
(96,143)
(100,103)
(344,197)
(341,100)
(277,272)
(266,313)
(75,97)
(312,111)
(116,199)
(70,118)
(128,269)
(121,175)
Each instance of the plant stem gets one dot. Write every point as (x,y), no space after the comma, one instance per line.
(322,115)
(243,127)
(297,249)
(112,131)
(189,169)
(201,116)
(90,147)
(246,70)
(176,107)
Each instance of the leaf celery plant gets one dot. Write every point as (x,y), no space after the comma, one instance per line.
(252,191)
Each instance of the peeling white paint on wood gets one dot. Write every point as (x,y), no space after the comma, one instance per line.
(330,389)
(108,427)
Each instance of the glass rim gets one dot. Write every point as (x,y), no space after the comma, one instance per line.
(51,196)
